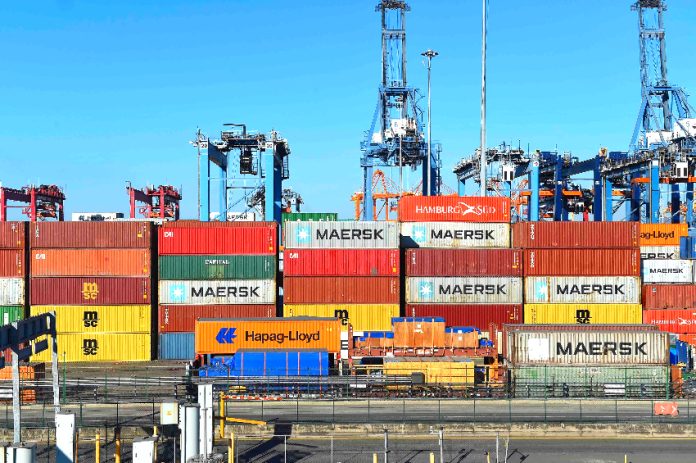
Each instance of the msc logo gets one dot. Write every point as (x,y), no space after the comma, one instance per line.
(420,234)
(426,290)
(177,293)
(90,291)
(304,235)
(226,336)
(342,315)
(90,347)
(90,319)
(582,316)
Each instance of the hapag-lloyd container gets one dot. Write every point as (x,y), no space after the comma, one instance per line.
(662,234)
(478,315)
(362,317)
(12,235)
(96,262)
(582,262)
(589,290)
(227,336)
(90,290)
(341,262)
(659,252)
(463,262)
(90,234)
(455,235)
(464,290)
(341,235)
(11,291)
(202,292)
(242,240)
(341,290)
(98,319)
(681,321)
(669,296)
(182,318)
(594,235)
(217,267)
(582,314)
(12,263)
(101,347)
(668,271)
(454,209)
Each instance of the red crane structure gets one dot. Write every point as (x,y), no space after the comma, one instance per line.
(159,203)
(41,202)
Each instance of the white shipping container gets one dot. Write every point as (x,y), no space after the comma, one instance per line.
(589,290)
(11,291)
(659,252)
(203,292)
(341,235)
(668,271)
(464,290)
(455,235)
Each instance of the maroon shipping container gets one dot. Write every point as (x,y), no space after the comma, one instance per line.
(605,235)
(669,297)
(341,290)
(478,315)
(680,321)
(90,234)
(244,240)
(582,262)
(89,291)
(341,262)
(463,262)
(12,235)
(12,263)
(182,318)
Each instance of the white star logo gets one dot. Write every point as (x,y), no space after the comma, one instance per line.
(426,290)
(303,234)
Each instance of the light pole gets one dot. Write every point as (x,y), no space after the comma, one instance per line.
(430,54)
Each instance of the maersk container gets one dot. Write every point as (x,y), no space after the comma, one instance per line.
(582,262)
(10,313)
(310,216)
(203,292)
(662,234)
(582,314)
(90,234)
(11,291)
(455,235)
(341,235)
(361,317)
(478,315)
(12,263)
(182,318)
(217,267)
(177,346)
(228,240)
(90,290)
(99,319)
(463,262)
(12,235)
(454,209)
(680,321)
(464,290)
(341,290)
(668,271)
(341,262)
(588,290)
(659,252)
(100,347)
(90,262)
(669,296)
(274,363)
(593,235)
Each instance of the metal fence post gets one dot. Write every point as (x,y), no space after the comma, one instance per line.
(439,407)
(368,409)
(474,409)
(297,409)
(510,411)
(333,413)
(545,417)
(403,410)
(616,409)
(580,409)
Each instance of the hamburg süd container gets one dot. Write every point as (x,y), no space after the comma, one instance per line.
(477,315)
(410,332)
(12,263)
(341,262)
(90,262)
(177,346)
(680,321)
(455,235)
(341,290)
(668,271)
(593,235)
(464,290)
(454,209)
(582,262)
(11,291)
(101,347)
(202,292)
(341,235)
(90,291)
(238,240)
(589,290)
(12,235)
(90,234)
(217,267)
(99,319)
(182,318)
(662,234)
(659,252)
(669,296)
(362,317)
(10,313)
(463,262)
(582,314)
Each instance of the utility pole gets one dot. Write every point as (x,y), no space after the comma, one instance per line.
(430,54)
(483,97)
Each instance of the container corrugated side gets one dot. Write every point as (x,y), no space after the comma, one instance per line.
(310,216)
(589,290)
(594,235)
(176,346)
(190,223)
(445,370)
(582,262)
(99,319)
(478,315)
(341,290)
(455,235)
(90,262)
(662,234)
(12,263)
(669,296)
(182,318)
(454,209)
(101,347)
(341,262)
(659,252)
(463,262)
(217,267)
(203,292)
(90,290)
(341,235)
(10,313)
(241,240)
(582,313)
(464,290)
(90,234)
(12,235)
(680,321)
(362,317)
(11,291)
(668,271)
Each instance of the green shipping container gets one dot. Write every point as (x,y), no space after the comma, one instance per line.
(206,267)
(310,216)
(10,313)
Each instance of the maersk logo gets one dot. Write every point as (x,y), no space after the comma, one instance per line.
(426,290)
(420,234)
(541,290)
(304,235)
(177,293)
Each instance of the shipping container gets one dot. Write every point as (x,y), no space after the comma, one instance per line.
(659,252)
(203,292)
(477,315)
(669,296)
(99,319)
(463,262)
(10,313)
(274,363)
(341,290)
(588,290)
(688,338)
(176,346)
(454,209)
(680,321)
(662,234)
(12,263)
(668,271)
(464,290)
(416,332)
(341,262)
(101,347)
(182,318)
(90,291)
(217,267)
(90,234)
(237,240)
(582,314)
(362,317)
(227,336)
(687,247)
(455,235)
(192,223)
(444,370)
(594,235)
(582,262)
(310,216)
(12,235)
(341,235)
(90,262)
(11,291)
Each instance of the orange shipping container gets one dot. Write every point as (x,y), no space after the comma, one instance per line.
(11,263)
(419,332)
(662,234)
(227,336)
(90,262)
(454,209)
(12,235)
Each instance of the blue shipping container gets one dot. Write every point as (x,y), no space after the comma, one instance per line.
(270,363)
(687,247)
(176,346)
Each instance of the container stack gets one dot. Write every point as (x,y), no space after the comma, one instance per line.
(348,270)
(12,271)
(212,270)
(96,277)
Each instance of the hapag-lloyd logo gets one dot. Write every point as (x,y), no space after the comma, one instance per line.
(462,209)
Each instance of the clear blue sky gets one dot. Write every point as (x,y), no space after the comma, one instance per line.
(97,93)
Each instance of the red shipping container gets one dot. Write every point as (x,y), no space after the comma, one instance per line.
(341,290)
(216,224)
(673,321)
(341,262)
(582,262)
(182,318)
(478,315)
(669,296)
(12,263)
(90,234)
(463,262)
(594,235)
(89,291)
(12,235)
(218,240)
(454,209)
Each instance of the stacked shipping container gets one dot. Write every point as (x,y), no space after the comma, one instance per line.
(12,271)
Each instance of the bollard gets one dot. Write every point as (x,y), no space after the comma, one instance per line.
(117,443)
(97,449)
(432,457)
(155,434)
(230,449)
(374,458)
(77,446)
(222,415)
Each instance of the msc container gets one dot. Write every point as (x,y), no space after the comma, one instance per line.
(90,262)
(278,363)
(182,318)
(310,217)
(99,319)
(10,313)
(11,291)
(341,290)
(463,262)
(341,262)
(362,317)
(455,235)
(454,209)
(90,234)
(90,291)
(662,234)
(582,262)
(659,252)
(668,271)
(227,336)
(203,292)
(588,290)
(444,370)
(101,347)
(669,296)
(241,240)
(478,315)
(681,321)
(12,263)
(464,290)
(415,332)
(341,235)
(176,346)
(582,313)
(12,235)
(594,235)
(217,267)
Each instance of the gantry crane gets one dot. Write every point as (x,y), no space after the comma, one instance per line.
(161,202)
(385,198)
(41,202)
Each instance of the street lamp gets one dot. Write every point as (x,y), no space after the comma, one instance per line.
(430,54)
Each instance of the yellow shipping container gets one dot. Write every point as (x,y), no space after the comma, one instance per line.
(363,317)
(436,370)
(566,314)
(100,347)
(99,318)
(662,234)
